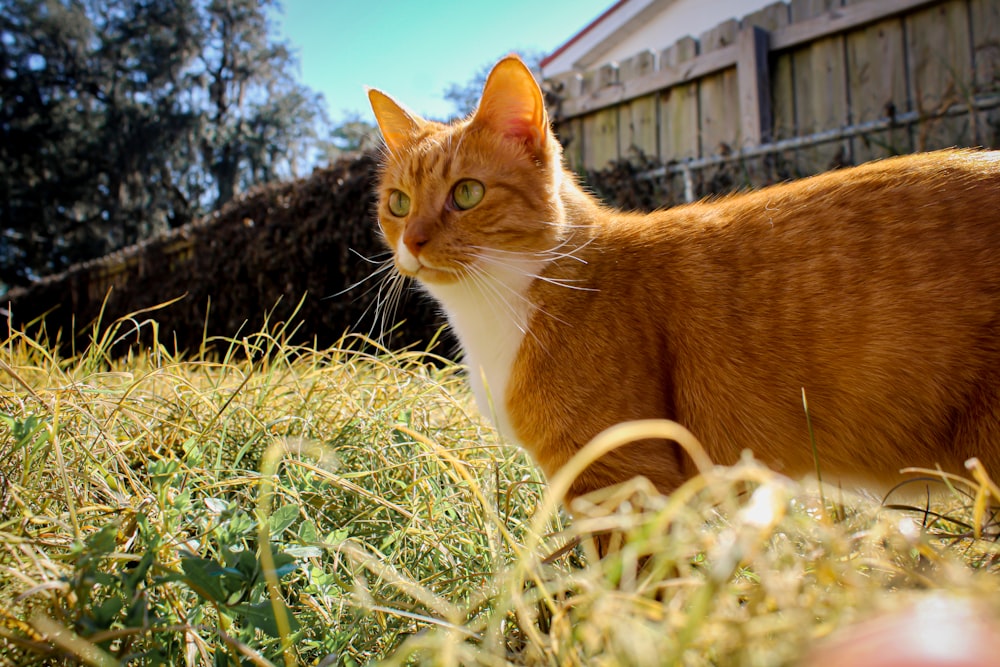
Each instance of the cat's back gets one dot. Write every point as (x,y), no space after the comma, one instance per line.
(898,190)
(888,191)
(874,289)
(918,210)
(904,220)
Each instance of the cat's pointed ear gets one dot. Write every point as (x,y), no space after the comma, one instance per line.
(512,104)
(398,125)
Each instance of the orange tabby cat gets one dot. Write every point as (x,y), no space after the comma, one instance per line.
(876,289)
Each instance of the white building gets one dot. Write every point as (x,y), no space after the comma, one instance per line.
(631,26)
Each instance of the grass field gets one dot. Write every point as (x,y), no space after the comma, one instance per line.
(276,504)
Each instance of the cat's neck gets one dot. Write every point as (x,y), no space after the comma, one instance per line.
(490,316)
(491,313)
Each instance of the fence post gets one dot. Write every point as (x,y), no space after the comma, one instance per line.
(754,79)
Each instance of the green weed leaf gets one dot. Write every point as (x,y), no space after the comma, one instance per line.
(216,505)
(261,617)
(304,551)
(160,472)
(222,585)
(308,532)
(24,430)
(282,518)
(284,563)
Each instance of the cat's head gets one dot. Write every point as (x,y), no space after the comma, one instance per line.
(456,199)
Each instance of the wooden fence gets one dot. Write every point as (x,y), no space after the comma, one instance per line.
(793,89)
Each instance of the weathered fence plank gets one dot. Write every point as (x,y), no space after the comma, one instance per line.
(600,137)
(939,48)
(776,83)
(679,132)
(984,17)
(797,34)
(820,78)
(841,19)
(637,129)
(753,76)
(876,67)
(571,133)
(773,18)
(719,95)
(570,130)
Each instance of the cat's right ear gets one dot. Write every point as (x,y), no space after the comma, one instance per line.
(512,104)
(398,125)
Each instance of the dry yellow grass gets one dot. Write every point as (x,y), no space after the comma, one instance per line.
(137,494)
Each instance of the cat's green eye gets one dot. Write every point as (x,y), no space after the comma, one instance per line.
(468,193)
(399,203)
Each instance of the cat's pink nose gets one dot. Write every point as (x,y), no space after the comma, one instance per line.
(415,237)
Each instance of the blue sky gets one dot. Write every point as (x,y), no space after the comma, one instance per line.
(412,49)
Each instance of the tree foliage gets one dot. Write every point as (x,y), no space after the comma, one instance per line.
(121,118)
(352,135)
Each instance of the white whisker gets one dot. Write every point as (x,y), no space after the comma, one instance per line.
(550,254)
(560,282)
(489,290)
(384,285)
(386,301)
(385,266)
(391,306)
(371,260)
(496,285)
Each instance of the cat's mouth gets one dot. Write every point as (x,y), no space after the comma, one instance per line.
(424,272)
(416,267)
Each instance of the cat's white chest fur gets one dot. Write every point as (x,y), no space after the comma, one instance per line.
(490,312)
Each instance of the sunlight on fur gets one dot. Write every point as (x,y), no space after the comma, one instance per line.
(876,290)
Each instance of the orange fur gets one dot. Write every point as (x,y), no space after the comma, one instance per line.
(875,289)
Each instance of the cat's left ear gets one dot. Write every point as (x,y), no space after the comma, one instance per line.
(398,125)
(512,104)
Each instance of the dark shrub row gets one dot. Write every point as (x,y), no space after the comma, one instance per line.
(259,256)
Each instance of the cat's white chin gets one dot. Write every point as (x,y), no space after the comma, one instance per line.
(431,276)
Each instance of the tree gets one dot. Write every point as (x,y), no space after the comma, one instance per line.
(121,118)
(47,137)
(139,65)
(353,135)
(261,120)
